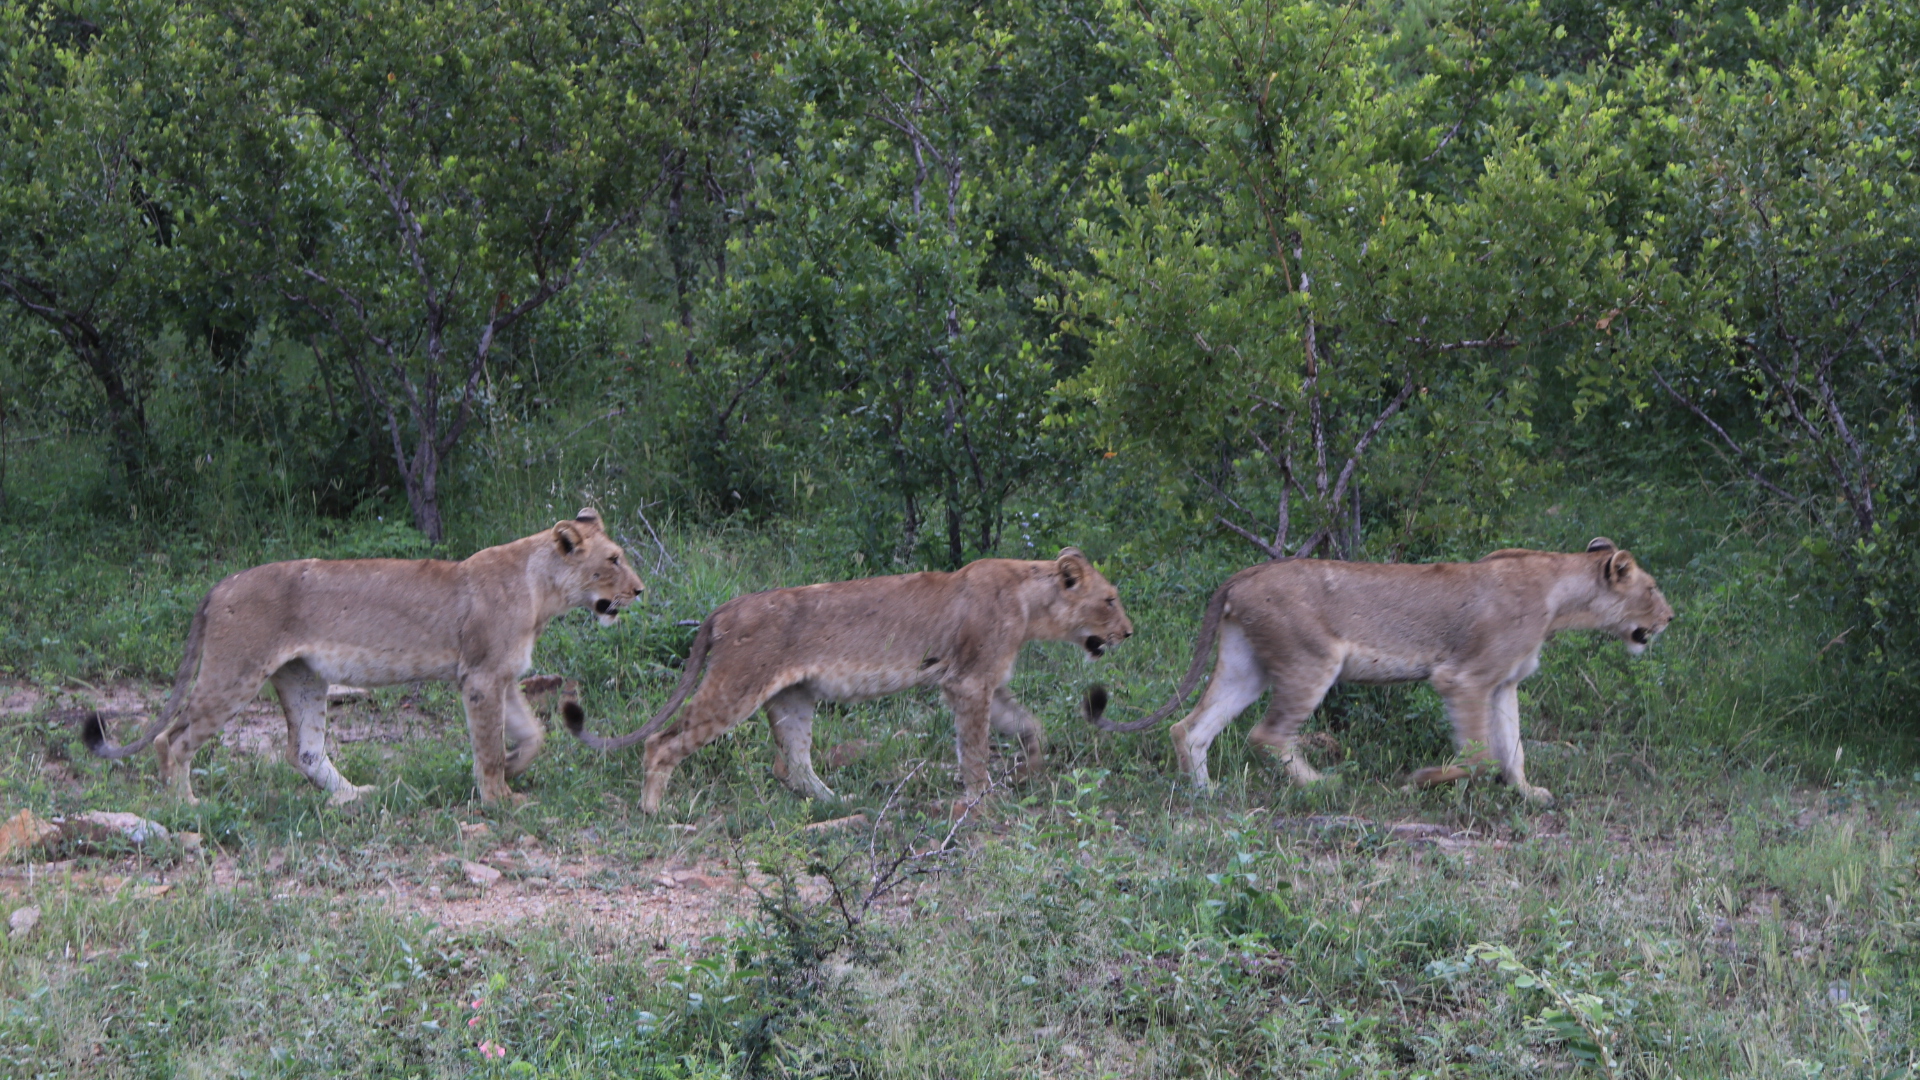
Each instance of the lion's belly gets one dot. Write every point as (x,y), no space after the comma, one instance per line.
(1369,666)
(852,683)
(359,665)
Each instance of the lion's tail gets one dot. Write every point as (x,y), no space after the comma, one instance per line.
(1096,703)
(576,717)
(94,733)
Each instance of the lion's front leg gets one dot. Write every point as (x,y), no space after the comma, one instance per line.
(1469,709)
(485,700)
(1504,728)
(525,733)
(1009,717)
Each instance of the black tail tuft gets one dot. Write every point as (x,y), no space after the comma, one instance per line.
(1095,706)
(94,734)
(574,716)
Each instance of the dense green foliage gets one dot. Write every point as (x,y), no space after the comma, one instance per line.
(1335,279)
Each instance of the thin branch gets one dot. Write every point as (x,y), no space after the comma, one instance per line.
(1448,137)
(1739,451)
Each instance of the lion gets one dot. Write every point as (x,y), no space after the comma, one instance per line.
(376,622)
(789,649)
(1472,630)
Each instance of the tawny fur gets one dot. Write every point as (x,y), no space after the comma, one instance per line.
(376,622)
(1472,630)
(788,649)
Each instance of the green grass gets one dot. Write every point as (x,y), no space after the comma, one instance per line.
(1731,886)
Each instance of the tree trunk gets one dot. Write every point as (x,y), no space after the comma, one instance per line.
(956,551)
(126,414)
(421,477)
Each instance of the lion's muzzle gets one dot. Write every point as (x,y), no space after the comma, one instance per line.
(1096,645)
(607,611)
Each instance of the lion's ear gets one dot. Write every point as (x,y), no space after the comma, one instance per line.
(1619,565)
(588,516)
(1074,567)
(567,535)
(1601,543)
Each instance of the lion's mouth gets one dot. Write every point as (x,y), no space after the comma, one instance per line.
(604,607)
(1639,636)
(1096,645)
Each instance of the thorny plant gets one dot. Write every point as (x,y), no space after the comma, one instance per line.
(1587,1023)
(914,858)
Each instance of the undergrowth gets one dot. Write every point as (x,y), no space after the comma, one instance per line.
(1731,886)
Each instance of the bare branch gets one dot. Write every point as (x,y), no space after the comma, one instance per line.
(1272,552)
(1499,341)
(1360,445)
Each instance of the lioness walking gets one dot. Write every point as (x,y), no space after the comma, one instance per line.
(1473,630)
(376,622)
(788,649)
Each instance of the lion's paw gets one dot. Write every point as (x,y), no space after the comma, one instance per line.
(1539,797)
(350,794)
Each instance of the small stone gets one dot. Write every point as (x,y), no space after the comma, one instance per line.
(682,828)
(667,881)
(337,693)
(22,921)
(96,826)
(479,873)
(472,829)
(191,843)
(848,822)
(23,832)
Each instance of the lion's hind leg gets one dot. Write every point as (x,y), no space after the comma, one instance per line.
(1296,693)
(303,698)
(709,714)
(219,692)
(1238,681)
(790,713)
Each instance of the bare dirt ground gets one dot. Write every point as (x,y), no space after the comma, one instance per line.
(666,904)
(260,729)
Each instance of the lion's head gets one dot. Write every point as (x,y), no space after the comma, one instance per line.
(596,574)
(1637,612)
(1086,607)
